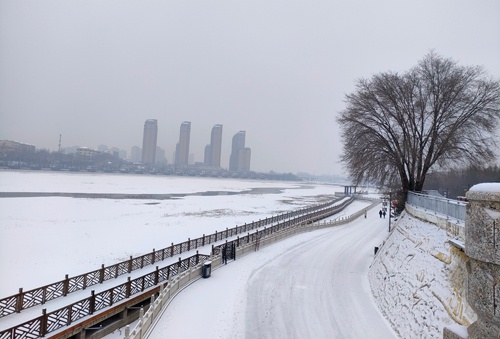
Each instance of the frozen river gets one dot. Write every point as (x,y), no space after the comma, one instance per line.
(42,238)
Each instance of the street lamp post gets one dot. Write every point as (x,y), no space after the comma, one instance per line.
(390,209)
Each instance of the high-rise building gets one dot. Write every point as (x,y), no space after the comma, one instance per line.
(207,158)
(237,145)
(215,145)
(149,141)
(182,148)
(244,159)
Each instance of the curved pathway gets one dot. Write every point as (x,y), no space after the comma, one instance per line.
(313,285)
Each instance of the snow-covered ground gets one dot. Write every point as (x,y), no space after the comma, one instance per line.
(311,285)
(44,238)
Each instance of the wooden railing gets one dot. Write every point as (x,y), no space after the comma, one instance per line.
(49,322)
(65,316)
(39,296)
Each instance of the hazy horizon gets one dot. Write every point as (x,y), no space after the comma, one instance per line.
(94,71)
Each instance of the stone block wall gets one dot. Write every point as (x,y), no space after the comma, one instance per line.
(482,245)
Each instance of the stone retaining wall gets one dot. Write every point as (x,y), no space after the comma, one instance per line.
(482,245)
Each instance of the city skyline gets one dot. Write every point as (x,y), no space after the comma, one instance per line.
(147,156)
(279,70)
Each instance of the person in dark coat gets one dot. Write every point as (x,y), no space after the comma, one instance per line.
(383,213)
(380,213)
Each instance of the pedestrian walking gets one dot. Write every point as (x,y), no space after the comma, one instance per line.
(383,213)
(380,213)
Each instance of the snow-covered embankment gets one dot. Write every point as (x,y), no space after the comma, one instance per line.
(417,280)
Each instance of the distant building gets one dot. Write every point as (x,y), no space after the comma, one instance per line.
(102,148)
(135,154)
(215,146)
(182,148)
(244,159)
(86,152)
(115,151)
(149,141)
(161,158)
(70,150)
(238,155)
(207,158)
(14,146)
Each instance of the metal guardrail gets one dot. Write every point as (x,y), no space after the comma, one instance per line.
(454,209)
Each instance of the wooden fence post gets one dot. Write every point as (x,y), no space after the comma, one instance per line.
(154,256)
(19,300)
(92,302)
(203,243)
(111,295)
(101,274)
(128,289)
(189,244)
(43,323)
(44,295)
(130,265)
(197,258)
(66,285)
(157,275)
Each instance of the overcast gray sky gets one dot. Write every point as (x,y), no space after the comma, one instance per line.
(94,71)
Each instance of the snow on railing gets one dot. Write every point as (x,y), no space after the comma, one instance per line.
(454,209)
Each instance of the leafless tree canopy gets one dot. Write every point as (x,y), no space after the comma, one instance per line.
(398,126)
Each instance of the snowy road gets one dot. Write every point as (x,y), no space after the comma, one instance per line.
(313,285)
(318,290)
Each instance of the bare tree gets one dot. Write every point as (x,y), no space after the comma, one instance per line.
(396,127)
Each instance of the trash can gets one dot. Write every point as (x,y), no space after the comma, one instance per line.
(375,250)
(206,270)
